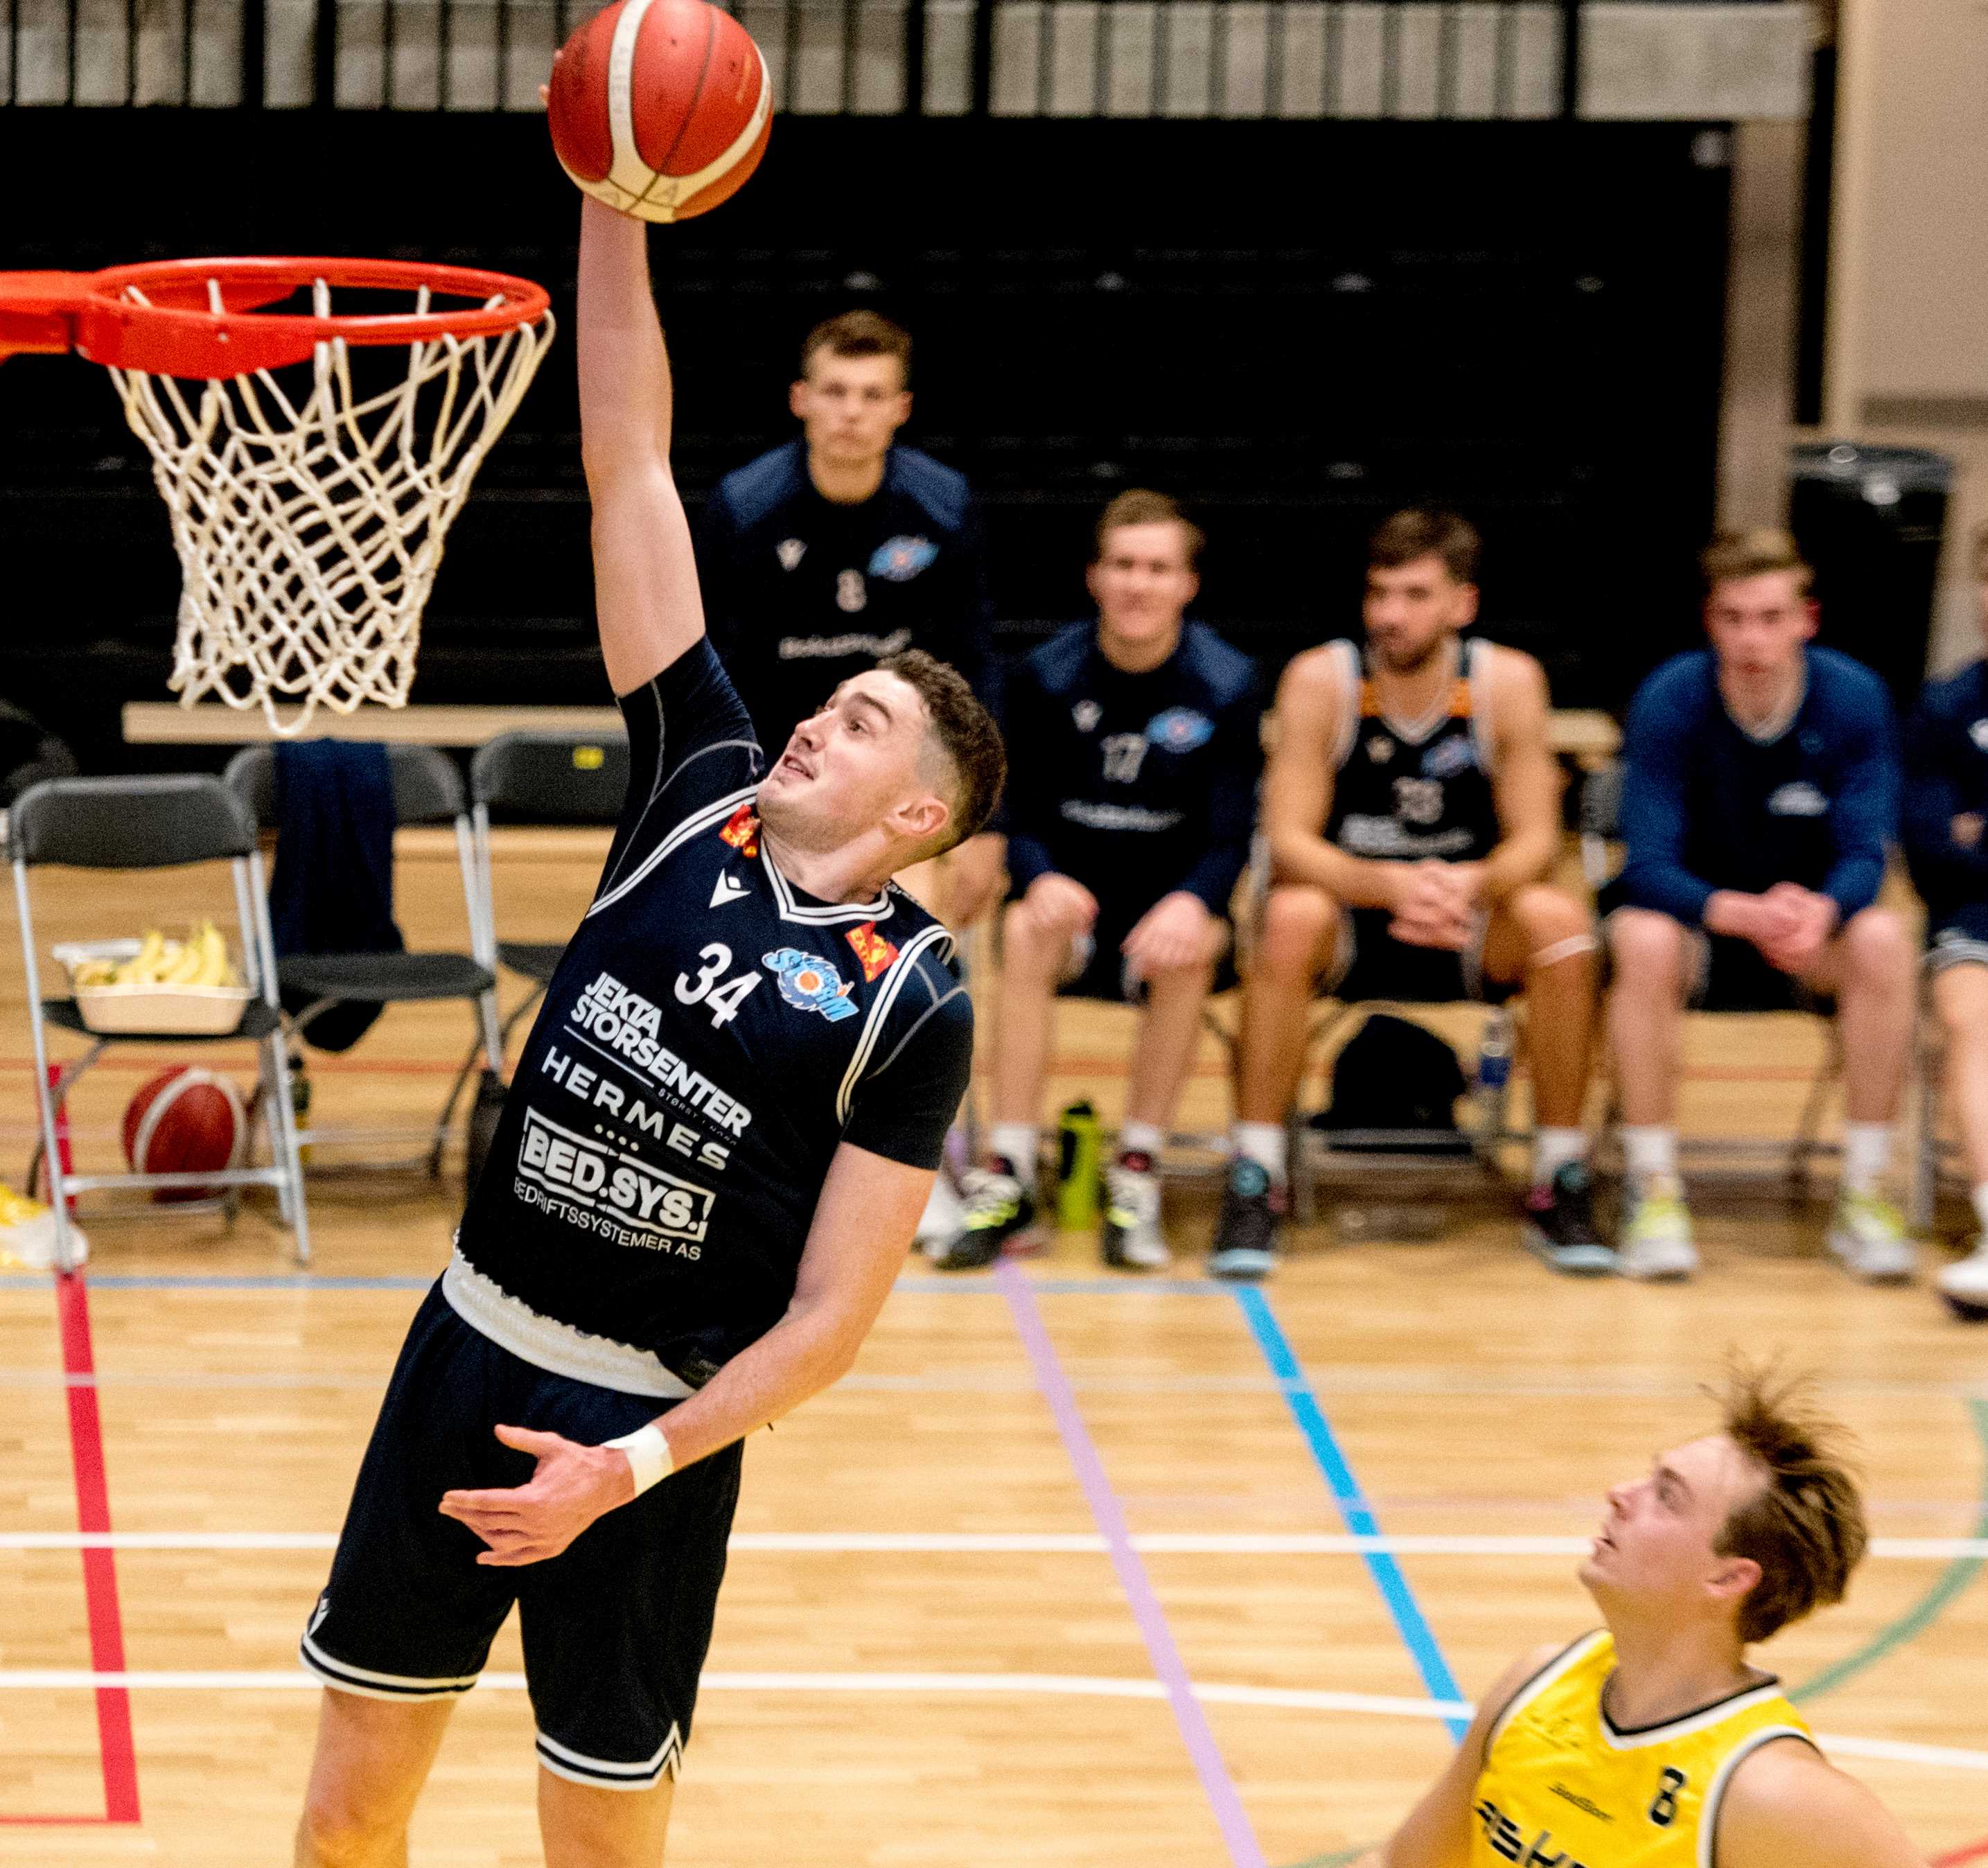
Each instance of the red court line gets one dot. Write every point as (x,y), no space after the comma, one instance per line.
(1974,1852)
(99,1567)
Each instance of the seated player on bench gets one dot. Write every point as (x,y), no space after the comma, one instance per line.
(1412,810)
(1761,791)
(841,547)
(1946,813)
(1128,821)
(1654,1739)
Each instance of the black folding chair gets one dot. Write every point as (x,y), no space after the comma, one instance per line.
(427,790)
(145,823)
(533,776)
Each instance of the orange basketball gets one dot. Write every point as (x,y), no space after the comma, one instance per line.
(183,1121)
(660,108)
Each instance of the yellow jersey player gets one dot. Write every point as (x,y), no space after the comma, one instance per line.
(1654,1742)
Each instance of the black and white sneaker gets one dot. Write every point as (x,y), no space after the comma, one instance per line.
(998,1207)
(1131,1238)
(1246,1236)
(1559,1225)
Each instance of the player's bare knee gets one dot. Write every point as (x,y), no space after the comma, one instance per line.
(342,1827)
(1960,1004)
(1875,945)
(1296,920)
(1028,946)
(1547,916)
(1647,949)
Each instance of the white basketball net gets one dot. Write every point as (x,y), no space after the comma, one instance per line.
(310,519)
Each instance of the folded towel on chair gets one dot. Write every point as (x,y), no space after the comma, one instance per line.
(332,888)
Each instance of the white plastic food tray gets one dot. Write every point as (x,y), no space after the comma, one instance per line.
(184,1011)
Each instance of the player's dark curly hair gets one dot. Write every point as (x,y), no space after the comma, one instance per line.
(966,735)
(1805,1527)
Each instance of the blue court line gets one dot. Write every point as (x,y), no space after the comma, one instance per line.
(1354,1512)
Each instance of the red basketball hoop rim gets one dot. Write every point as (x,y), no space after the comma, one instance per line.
(160,317)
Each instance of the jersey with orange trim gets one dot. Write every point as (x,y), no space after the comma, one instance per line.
(1409,789)
(1564,1787)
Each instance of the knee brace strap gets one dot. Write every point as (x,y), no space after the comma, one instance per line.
(1574,946)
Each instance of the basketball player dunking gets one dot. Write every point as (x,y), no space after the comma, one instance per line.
(722,1132)
(1653,1743)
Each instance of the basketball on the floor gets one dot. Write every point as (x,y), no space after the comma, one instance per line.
(184,1121)
(659,108)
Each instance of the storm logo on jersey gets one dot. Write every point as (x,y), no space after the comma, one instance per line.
(808,982)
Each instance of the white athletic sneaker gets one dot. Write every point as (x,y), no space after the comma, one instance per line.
(1868,1235)
(1964,1284)
(1131,1237)
(1656,1243)
(944,1214)
(28,1235)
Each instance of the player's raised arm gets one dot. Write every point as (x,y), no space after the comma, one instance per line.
(644,574)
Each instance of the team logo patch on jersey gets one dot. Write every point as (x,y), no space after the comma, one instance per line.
(1086,714)
(872,949)
(742,831)
(1180,729)
(1799,800)
(791,552)
(809,982)
(1447,758)
(899,560)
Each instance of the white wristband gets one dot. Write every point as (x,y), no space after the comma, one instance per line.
(648,1455)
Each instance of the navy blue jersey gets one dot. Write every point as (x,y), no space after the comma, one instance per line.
(1706,806)
(1946,777)
(1405,790)
(712,1036)
(1136,785)
(801,592)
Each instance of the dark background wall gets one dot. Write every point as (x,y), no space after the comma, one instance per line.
(1294,327)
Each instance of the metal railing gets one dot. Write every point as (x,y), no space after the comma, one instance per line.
(1066,59)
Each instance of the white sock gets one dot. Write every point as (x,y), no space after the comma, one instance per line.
(1553,1149)
(1264,1143)
(1146,1138)
(1867,1153)
(1020,1144)
(1649,1153)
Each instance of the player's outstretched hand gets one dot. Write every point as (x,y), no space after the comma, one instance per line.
(574,1485)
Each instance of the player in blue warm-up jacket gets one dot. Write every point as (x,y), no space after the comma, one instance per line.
(1761,792)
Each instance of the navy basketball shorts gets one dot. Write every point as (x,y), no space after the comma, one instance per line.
(1097,970)
(615,1627)
(1368,963)
(1957,936)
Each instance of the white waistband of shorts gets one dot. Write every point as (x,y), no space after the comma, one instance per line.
(558,1347)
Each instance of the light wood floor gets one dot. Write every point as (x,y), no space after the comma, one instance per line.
(1470,1394)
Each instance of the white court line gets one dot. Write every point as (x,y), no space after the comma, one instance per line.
(1293,1699)
(997,1543)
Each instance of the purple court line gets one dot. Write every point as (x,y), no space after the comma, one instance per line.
(1109,1515)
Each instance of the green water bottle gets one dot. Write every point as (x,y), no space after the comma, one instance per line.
(1078,1169)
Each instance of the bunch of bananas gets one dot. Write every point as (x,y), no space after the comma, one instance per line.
(199,960)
